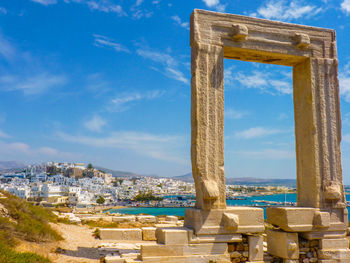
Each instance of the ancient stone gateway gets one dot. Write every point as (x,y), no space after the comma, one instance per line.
(316,229)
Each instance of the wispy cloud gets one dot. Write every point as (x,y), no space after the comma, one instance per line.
(103,41)
(160,147)
(45,2)
(179,22)
(31,85)
(262,81)
(3,10)
(344,82)
(234,114)
(170,64)
(95,124)
(139,12)
(345,6)
(7,50)
(267,154)
(106,6)
(4,135)
(215,4)
(124,101)
(20,150)
(256,132)
(286,10)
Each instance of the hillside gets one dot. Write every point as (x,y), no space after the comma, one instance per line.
(21,221)
(246,180)
(8,165)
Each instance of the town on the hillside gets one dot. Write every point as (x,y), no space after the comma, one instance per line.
(82,186)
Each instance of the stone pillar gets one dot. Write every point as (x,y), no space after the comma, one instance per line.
(207,123)
(318,134)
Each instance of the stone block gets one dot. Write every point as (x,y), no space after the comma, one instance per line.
(256,248)
(171,218)
(215,238)
(305,219)
(231,221)
(112,259)
(322,219)
(121,234)
(204,222)
(173,235)
(149,233)
(182,250)
(282,244)
(130,218)
(146,219)
(339,254)
(189,259)
(331,244)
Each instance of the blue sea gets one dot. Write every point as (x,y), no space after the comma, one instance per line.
(180,211)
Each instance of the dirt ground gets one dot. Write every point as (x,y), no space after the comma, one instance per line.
(78,245)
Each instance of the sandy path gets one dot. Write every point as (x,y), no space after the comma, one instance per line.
(79,245)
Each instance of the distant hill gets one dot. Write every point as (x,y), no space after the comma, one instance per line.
(246,180)
(116,173)
(9,165)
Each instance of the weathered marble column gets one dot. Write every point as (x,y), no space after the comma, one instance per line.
(318,134)
(207,122)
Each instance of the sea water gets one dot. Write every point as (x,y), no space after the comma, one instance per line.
(180,211)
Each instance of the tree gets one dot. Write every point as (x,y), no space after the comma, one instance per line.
(90,166)
(101,200)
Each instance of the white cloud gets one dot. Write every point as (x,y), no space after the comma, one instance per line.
(345,6)
(263,81)
(7,50)
(256,132)
(215,4)
(106,6)
(344,83)
(103,41)
(160,147)
(23,151)
(170,64)
(45,2)
(286,10)
(3,10)
(123,101)
(31,85)
(234,114)
(139,12)
(178,21)
(4,135)
(268,154)
(96,123)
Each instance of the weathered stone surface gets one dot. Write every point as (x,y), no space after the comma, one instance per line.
(282,244)
(256,249)
(146,219)
(189,259)
(302,219)
(211,222)
(173,235)
(331,244)
(121,233)
(124,218)
(149,233)
(171,218)
(183,250)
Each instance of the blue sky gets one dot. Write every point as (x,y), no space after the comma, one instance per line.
(108,82)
